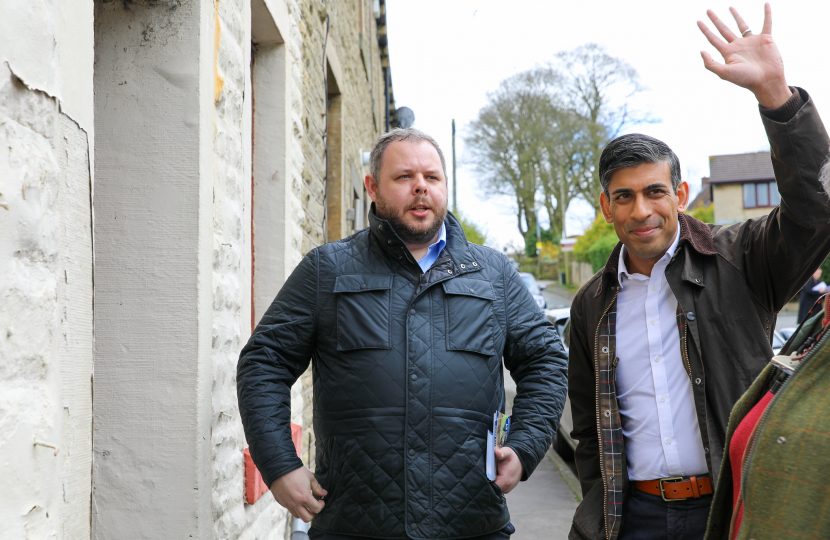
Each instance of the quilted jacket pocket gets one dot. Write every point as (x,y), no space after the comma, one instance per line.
(469,315)
(329,473)
(363,312)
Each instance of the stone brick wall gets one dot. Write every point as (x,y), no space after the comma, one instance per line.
(361,102)
(46,220)
(232,274)
(46,269)
(314,24)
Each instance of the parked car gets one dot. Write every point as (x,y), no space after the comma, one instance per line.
(559,317)
(534,288)
(787,332)
(780,338)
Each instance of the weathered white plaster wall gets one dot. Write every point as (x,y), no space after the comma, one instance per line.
(154,219)
(46,264)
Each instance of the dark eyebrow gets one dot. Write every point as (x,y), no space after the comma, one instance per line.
(410,171)
(647,188)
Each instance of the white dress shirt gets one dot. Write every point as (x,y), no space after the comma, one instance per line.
(659,422)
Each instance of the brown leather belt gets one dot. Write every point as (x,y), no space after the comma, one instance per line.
(677,487)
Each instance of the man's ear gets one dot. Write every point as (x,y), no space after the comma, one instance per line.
(605,206)
(682,196)
(371,187)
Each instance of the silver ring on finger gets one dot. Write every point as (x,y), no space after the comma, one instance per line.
(745,32)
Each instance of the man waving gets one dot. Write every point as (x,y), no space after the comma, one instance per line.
(673,330)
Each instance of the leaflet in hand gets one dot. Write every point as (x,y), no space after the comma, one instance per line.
(496,437)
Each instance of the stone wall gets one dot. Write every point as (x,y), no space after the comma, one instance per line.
(46,269)
(318,34)
(174,247)
(349,29)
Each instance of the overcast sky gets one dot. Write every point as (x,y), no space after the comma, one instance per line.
(446,55)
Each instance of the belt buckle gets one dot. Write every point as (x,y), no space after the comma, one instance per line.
(663,489)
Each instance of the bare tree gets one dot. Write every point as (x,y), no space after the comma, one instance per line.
(539,137)
(503,143)
(598,88)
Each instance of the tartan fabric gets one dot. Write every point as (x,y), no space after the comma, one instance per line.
(609,420)
(613,444)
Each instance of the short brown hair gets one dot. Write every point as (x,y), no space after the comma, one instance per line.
(400,134)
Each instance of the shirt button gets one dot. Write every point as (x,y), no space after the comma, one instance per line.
(652,321)
(411,452)
(413,377)
(690,315)
(668,441)
(698,381)
(653,288)
(412,312)
(363,286)
(658,359)
(662,399)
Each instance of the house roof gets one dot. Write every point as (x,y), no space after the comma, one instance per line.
(736,168)
(704,197)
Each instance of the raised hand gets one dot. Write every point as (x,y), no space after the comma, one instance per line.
(750,61)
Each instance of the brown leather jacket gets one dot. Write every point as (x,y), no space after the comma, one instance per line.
(730,282)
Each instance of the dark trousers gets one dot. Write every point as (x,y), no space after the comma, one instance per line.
(504,534)
(649,517)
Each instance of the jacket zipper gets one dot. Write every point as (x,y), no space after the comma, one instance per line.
(685,355)
(599,428)
(763,419)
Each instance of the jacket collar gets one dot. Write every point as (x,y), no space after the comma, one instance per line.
(456,246)
(692,231)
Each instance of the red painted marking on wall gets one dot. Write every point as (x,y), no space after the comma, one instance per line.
(254,485)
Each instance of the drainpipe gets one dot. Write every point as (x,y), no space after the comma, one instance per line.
(299,529)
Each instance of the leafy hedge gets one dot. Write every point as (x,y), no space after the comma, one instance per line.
(592,246)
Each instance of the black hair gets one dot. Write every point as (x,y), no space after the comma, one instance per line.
(633,150)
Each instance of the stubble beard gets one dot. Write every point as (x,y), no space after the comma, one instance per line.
(406,232)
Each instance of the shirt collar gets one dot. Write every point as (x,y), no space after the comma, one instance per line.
(623,271)
(442,239)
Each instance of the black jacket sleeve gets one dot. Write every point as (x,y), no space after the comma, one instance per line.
(278,352)
(778,252)
(536,360)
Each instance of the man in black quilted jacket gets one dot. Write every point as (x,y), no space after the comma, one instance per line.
(405,324)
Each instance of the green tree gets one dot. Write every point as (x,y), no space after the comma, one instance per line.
(474,232)
(705,214)
(598,229)
(600,251)
(549,236)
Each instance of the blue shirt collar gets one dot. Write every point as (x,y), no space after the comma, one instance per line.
(434,250)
